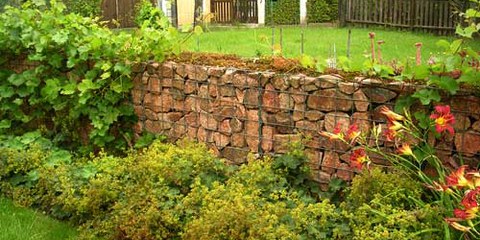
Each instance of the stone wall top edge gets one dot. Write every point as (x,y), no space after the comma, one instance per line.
(362,81)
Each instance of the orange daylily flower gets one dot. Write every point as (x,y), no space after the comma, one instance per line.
(391,116)
(458,178)
(336,134)
(405,150)
(453,222)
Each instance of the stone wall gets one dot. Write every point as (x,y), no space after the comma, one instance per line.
(236,112)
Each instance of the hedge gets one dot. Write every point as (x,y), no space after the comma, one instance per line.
(284,12)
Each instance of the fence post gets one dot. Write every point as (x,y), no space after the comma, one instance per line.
(303,12)
(342,13)
(261,11)
(413,15)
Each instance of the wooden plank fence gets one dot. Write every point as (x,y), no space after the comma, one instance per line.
(231,11)
(430,15)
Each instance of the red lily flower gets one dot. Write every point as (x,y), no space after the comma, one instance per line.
(358,158)
(443,119)
(470,199)
(353,132)
(467,214)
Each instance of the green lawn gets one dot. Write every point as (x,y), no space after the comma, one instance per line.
(18,223)
(319,41)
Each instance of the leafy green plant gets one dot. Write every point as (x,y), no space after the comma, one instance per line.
(147,13)
(77,81)
(87,8)
(388,205)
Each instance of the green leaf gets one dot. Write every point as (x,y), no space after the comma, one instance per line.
(51,89)
(5,124)
(16,79)
(447,83)
(426,96)
(69,89)
(443,44)
(403,102)
(307,61)
(6,91)
(421,71)
(60,37)
(87,85)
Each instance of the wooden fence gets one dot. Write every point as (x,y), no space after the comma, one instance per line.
(432,15)
(231,11)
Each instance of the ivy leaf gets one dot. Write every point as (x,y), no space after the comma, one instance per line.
(86,85)
(426,96)
(423,119)
(60,37)
(6,91)
(5,124)
(16,79)
(69,89)
(51,89)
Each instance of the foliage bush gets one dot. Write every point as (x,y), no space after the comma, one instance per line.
(87,8)
(286,12)
(282,12)
(319,11)
(147,13)
(182,191)
(77,83)
(389,206)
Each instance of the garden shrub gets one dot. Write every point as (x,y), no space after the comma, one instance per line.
(282,12)
(147,13)
(182,191)
(86,8)
(78,82)
(389,206)
(319,11)
(256,203)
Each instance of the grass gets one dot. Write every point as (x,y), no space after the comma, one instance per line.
(18,223)
(318,42)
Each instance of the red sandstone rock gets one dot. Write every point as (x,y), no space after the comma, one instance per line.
(270,99)
(379,95)
(238,140)
(314,115)
(267,138)
(281,141)
(468,143)
(225,128)
(330,162)
(361,101)
(462,122)
(221,140)
(330,100)
(345,172)
(157,126)
(207,121)
(334,118)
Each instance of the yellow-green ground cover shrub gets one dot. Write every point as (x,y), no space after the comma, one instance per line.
(181,191)
(389,206)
